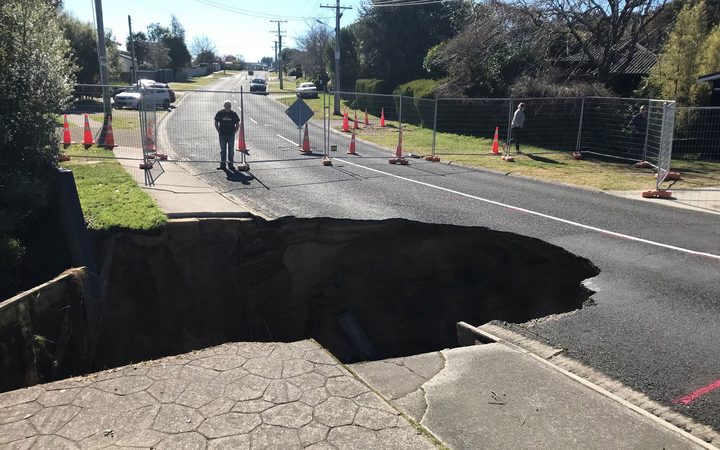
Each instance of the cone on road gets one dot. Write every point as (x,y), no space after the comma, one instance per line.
(351,151)
(355,123)
(109,141)
(306,141)
(367,121)
(496,143)
(398,158)
(346,124)
(66,134)
(88,140)
(242,146)
(382,117)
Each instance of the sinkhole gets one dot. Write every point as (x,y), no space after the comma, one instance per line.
(365,290)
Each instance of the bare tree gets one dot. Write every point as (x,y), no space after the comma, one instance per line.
(202,44)
(606,31)
(312,47)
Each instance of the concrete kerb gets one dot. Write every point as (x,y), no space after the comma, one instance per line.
(490,333)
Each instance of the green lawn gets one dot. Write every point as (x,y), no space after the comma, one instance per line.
(109,196)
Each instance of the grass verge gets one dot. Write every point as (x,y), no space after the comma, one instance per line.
(109,196)
(535,162)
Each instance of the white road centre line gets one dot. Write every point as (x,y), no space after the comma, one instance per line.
(288,140)
(539,214)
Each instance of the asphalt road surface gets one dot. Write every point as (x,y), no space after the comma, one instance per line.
(655,325)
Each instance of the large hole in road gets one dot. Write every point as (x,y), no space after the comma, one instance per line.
(365,290)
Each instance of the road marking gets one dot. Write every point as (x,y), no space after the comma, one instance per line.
(286,139)
(691,397)
(539,214)
(252,120)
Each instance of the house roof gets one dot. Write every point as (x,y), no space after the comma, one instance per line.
(709,77)
(642,61)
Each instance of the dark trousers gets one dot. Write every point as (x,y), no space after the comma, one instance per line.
(515,136)
(226,149)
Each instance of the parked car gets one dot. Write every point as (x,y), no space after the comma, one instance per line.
(155,95)
(258,85)
(307,90)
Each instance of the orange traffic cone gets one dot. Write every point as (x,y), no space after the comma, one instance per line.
(88,140)
(346,124)
(109,137)
(306,142)
(398,158)
(352,145)
(382,117)
(242,146)
(150,139)
(66,134)
(367,122)
(355,124)
(496,143)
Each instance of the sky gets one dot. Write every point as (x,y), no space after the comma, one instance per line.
(235,27)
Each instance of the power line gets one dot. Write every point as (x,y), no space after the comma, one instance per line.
(250,13)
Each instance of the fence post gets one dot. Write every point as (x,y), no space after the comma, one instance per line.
(580,125)
(509,125)
(434,126)
(647,130)
(400,113)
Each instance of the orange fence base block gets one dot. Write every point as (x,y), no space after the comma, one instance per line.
(63,158)
(643,165)
(577,155)
(432,158)
(657,193)
(242,167)
(147,165)
(399,160)
(507,158)
(327,161)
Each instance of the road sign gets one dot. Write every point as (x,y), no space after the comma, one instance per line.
(299,112)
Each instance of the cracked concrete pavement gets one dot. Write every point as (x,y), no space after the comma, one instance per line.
(237,396)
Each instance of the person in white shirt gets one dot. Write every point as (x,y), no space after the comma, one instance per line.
(516,127)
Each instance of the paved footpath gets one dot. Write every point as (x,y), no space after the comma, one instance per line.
(234,396)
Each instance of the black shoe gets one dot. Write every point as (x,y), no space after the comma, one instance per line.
(231,167)
(222,167)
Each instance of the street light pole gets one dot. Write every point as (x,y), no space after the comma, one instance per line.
(102,59)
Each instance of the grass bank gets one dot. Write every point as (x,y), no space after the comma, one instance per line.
(109,196)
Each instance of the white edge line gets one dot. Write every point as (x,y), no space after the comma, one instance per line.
(535,213)
(252,120)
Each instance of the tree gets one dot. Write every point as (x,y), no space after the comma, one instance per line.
(490,53)
(158,55)
(349,66)
(177,52)
(606,31)
(83,49)
(140,42)
(202,44)
(206,56)
(176,29)
(711,54)
(157,32)
(392,40)
(267,61)
(312,47)
(681,61)
(36,79)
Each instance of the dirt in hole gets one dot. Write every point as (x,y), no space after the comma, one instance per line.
(365,290)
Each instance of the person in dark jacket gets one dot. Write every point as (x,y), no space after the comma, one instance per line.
(227,123)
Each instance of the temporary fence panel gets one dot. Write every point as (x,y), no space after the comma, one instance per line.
(473,121)
(608,128)
(664,113)
(551,123)
(151,147)
(696,156)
